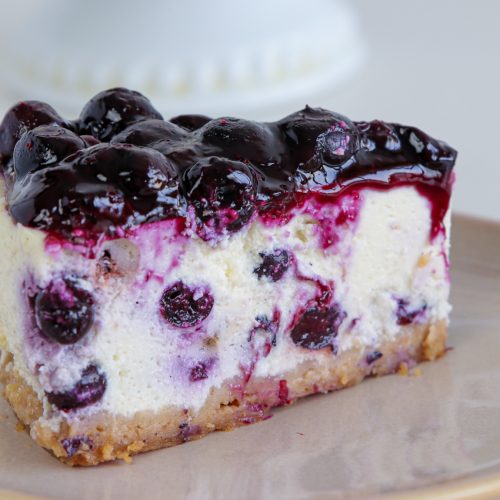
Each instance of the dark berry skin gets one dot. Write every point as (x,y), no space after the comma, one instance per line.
(406,316)
(201,370)
(222,170)
(301,130)
(184,306)
(241,140)
(97,189)
(222,193)
(373,356)
(43,147)
(150,133)
(190,122)
(274,264)
(318,327)
(88,390)
(23,117)
(72,445)
(64,311)
(111,111)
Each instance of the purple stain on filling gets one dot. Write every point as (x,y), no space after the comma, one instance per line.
(201,370)
(184,306)
(274,264)
(373,356)
(64,310)
(88,390)
(72,445)
(404,316)
(318,327)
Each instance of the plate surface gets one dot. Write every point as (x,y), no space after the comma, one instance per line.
(405,435)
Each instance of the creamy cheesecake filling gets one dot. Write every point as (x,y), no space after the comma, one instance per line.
(381,263)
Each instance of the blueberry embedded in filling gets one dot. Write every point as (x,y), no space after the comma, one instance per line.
(64,311)
(190,122)
(274,264)
(88,390)
(184,306)
(318,327)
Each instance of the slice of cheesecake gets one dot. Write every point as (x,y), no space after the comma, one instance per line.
(164,279)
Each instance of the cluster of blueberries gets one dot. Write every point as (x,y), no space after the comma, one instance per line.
(121,164)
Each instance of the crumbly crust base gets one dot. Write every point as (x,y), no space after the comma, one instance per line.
(234,404)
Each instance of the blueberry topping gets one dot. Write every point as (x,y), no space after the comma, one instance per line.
(222,193)
(318,327)
(43,147)
(23,117)
(372,357)
(111,111)
(274,264)
(88,390)
(64,310)
(98,189)
(302,129)
(190,122)
(222,170)
(184,306)
(74,444)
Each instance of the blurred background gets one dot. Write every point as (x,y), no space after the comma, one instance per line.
(434,64)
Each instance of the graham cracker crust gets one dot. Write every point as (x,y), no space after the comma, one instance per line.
(105,437)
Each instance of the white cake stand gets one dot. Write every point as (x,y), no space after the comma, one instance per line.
(217,57)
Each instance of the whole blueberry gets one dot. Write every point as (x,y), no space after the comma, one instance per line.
(44,146)
(222,193)
(22,117)
(317,327)
(88,390)
(190,122)
(241,140)
(111,111)
(184,306)
(64,311)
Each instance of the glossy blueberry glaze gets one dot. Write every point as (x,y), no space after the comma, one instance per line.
(220,172)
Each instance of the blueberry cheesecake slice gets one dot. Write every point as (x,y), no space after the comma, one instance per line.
(162,279)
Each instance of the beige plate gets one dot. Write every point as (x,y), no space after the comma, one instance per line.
(437,434)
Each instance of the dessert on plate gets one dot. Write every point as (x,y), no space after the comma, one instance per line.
(162,279)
